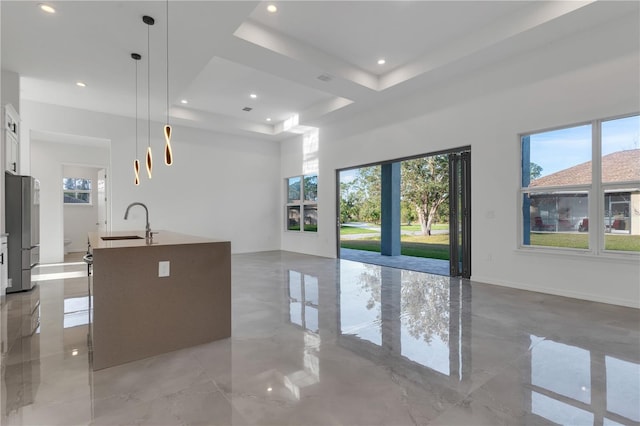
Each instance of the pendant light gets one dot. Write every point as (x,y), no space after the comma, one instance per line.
(168,154)
(149,21)
(136,163)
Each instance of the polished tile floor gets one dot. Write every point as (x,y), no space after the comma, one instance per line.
(333,342)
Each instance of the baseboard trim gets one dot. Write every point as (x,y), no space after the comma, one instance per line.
(559,292)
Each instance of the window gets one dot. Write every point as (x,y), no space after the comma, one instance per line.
(76,190)
(582,175)
(302,203)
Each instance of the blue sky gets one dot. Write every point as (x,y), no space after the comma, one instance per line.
(348,175)
(560,149)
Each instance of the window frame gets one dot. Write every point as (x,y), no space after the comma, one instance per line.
(78,191)
(301,203)
(596,191)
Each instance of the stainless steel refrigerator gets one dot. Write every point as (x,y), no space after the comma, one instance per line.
(22,204)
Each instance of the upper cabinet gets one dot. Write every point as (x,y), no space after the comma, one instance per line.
(11,139)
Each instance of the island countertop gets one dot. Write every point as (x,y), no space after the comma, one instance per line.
(161,238)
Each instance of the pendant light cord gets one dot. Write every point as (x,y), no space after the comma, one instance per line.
(167,61)
(148,89)
(136,157)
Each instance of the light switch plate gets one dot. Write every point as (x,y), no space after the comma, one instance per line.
(163,268)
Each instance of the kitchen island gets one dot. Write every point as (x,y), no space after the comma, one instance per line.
(153,297)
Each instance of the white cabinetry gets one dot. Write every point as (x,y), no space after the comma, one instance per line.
(11,137)
(4,269)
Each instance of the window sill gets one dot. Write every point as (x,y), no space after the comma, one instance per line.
(607,256)
(77,204)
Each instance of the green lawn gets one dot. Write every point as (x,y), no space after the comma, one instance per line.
(612,242)
(308,228)
(434,227)
(622,242)
(349,230)
(433,246)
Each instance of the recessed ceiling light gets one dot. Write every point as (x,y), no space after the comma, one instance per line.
(268,119)
(46,8)
(272,8)
(253,96)
(184,101)
(381,61)
(81,84)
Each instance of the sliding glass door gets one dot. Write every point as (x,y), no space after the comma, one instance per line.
(460,214)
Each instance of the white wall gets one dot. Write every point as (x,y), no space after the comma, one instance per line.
(79,219)
(220,186)
(47,165)
(592,75)
(10,93)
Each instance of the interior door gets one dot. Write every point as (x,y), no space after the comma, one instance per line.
(460,214)
(102,200)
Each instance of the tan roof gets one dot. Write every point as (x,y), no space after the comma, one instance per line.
(621,166)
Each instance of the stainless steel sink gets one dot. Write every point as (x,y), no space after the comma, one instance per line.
(122,237)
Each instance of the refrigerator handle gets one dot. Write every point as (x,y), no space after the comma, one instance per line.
(1,258)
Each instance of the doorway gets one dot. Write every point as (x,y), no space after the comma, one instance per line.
(416,216)
(84,206)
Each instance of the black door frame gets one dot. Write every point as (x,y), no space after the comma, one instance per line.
(460,221)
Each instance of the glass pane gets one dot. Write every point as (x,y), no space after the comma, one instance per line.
(622,219)
(556,219)
(558,157)
(293,189)
(311,188)
(311,218)
(73,197)
(76,183)
(621,163)
(621,150)
(293,218)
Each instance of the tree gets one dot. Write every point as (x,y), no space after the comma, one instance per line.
(311,188)
(367,187)
(407,212)
(349,203)
(535,170)
(425,185)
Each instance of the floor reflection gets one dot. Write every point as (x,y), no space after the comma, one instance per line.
(405,317)
(303,311)
(572,385)
(317,341)
(21,362)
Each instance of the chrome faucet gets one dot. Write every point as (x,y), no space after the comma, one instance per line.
(147,234)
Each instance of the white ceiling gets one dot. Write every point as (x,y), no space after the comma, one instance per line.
(220,52)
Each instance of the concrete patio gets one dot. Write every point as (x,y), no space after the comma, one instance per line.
(420,264)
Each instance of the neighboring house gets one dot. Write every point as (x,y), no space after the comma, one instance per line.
(568,211)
